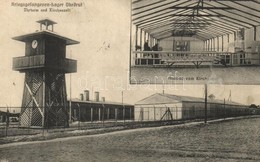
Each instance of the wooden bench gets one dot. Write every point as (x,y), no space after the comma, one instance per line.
(157,58)
(197,60)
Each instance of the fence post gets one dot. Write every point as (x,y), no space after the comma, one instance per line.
(224,108)
(108,111)
(99,113)
(116,115)
(124,113)
(91,114)
(130,113)
(154,113)
(176,109)
(43,122)
(7,122)
(79,117)
(103,114)
(29,121)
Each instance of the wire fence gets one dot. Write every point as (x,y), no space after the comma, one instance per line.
(16,121)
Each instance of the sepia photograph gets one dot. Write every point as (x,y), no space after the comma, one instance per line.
(195,41)
(129,80)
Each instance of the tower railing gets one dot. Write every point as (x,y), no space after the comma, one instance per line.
(39,61)
(26,62)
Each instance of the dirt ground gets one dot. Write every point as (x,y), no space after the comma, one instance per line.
(192,75)
(236,140)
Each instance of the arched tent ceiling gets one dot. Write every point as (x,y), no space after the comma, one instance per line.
(204,19)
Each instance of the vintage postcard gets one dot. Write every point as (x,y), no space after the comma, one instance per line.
(129,80)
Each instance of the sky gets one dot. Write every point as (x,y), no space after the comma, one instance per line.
(103,29)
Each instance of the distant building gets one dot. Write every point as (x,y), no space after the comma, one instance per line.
(99,111)
(172,107)
(85,110)
(12,116)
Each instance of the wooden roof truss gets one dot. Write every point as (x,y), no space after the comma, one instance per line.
(204,19)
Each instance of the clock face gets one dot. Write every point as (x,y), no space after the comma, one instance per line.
(34,44)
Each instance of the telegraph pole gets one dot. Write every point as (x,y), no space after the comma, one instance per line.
(206,103)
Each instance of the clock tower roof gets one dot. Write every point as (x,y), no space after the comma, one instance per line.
(35,35)
(45,31)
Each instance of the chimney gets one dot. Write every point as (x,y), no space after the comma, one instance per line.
(97,96)
(81,97)
(86,95)
(103,99)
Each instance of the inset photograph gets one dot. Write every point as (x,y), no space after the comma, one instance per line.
(195,42)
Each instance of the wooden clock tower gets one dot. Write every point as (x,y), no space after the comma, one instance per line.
(44,102)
